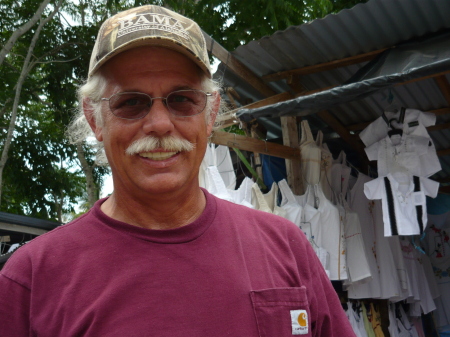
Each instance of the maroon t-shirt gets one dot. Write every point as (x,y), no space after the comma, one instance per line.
(232,272)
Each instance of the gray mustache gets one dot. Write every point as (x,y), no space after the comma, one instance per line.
(168,143)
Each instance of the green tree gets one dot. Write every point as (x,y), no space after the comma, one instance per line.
(44,56)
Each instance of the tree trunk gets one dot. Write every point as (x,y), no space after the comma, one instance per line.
(23,75)
(91,186)
(22,30)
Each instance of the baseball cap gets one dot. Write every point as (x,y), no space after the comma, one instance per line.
(149,25)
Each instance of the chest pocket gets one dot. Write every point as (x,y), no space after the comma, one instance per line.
(281,312)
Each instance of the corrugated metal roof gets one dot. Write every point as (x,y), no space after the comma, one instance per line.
(366,27)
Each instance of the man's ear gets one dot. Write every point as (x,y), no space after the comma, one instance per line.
(90,117)
(214,111)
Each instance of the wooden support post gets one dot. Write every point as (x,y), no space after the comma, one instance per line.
(258,164)
(293,169)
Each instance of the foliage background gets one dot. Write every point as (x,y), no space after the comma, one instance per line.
(43,175)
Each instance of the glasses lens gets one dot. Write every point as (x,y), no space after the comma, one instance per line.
(186,102)
(130,105)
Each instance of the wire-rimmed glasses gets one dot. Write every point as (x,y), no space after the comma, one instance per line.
(136,105)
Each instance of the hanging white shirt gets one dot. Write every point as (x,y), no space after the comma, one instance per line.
(398,153)
(415,123)
(413,120)
(404,206)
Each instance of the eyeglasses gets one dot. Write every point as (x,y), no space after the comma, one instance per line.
(136,105)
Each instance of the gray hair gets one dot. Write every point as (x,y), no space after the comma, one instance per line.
(79,130)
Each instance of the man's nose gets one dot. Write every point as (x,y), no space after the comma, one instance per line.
(158,121)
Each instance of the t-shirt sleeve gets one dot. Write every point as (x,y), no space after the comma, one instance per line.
(374,132)
(372,151)
(14,308)
(429,187)
(427,119)
(374,189)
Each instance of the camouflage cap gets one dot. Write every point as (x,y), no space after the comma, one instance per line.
(149,25)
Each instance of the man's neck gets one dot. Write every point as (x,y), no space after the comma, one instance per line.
(156,211)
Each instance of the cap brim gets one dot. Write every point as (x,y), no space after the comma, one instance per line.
(156,42)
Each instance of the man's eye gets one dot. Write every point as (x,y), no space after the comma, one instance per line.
(179,99)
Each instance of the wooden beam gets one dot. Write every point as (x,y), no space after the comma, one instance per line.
(443,152)
(254,145)
(444,189)
(237,67)
(342,131)
(444,86)
(441,126)
(289,128)
(323,66)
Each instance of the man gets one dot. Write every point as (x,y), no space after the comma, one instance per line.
(161,256)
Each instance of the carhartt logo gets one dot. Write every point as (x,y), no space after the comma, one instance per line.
(152,21)
(299,321)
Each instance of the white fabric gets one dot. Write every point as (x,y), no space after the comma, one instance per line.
(331,231)
(415,123)
(266,202)
(419,289)
(340,175)
(405,201)
(385,282)
(393,326)
(357,264)
(220,157)
(225,166)
(325,166)
(355,321)
(311,156)
(378,129)
(399,261)
(243,195)
(399,153)
(214,184)
(306,218)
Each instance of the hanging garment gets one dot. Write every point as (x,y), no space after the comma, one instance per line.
(402,331)
(266,202)
(393,326)
(419,288)
(220,157)
(307,218)
(358,267)
(325,166)
(399,153)
(243,195)
(413,120)
(213,183)
(403,201)
(351,315)
(331,231)
(367,317)
(365,210)
(376,321)
(357,312)
(371,219)
(414,123)
(398,259)
(340,175)
(405,322)
(311,156)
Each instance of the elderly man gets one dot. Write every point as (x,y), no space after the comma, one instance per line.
(161,256)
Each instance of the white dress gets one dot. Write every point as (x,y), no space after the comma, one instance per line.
(311,156)
(331,230)
(307,218)
(365,210)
